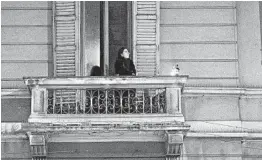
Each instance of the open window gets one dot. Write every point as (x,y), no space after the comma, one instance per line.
(105,27)
(88,34)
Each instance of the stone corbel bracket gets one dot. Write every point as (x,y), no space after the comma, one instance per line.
(38,145)
(174,143)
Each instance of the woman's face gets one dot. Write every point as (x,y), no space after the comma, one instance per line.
(125,54)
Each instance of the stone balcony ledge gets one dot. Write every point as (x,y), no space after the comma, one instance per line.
(108,81)
(148,99)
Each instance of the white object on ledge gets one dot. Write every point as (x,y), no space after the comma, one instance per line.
(175,70)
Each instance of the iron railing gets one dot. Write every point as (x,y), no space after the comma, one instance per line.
(107,101)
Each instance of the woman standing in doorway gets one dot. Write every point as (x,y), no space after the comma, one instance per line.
(124,65)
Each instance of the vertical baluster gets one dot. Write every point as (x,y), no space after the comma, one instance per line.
(128,102)
(136,98)
(54,101)
(158,101)
(44,152)
(143,93)
(98,97)
(114,104)
(151,104)
(83,101)
(121,99)
(68,104)
(32,150)
(40,150)
(91,101)
(106,94)
(76,104)
(61,107)
(35,150)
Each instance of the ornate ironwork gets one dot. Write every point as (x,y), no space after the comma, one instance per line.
(107,101)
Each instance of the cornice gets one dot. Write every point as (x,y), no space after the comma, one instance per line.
(15,93)
(188,91)
(191,91)
(250,131)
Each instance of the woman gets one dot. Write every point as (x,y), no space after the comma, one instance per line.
(124,65)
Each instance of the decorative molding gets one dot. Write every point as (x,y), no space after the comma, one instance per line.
(11,79)
(218,135)
(15,93)
(113,136)
(199,42)
(249,131)
(26,26)
(10,127)
(14,138)
(214,156)
(26,8)
(199,60)
(225,126)
(108,82)
(26,43)
(213,78)
(108,120)
(199,25)
(38,146)
(36,139)
(26,61)
(188,91)
(199,7)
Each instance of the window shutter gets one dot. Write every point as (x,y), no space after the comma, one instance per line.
(66,46)
(146,37)
(66,41)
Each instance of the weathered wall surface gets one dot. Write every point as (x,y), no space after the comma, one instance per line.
(201,38)
(15,110)
(215,43)
(26,41)
(212,148)
(15,150)
(202,108)
(222,108)
(249,43)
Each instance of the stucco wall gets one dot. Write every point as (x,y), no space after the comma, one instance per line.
(201,38)
(222,108)
(215,43)
(26,42)
(249,43)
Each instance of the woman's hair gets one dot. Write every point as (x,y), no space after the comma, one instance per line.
(96,71)
(120,51)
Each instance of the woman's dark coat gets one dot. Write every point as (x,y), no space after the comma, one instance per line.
(125,67)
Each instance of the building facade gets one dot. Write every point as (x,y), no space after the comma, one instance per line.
(53,109)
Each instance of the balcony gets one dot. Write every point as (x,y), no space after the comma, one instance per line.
(104,100)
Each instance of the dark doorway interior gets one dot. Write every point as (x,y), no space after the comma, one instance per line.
(94,30)
(117,31)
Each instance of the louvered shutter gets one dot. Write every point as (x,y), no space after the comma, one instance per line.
(146,37)
(66,46)
(66,43)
